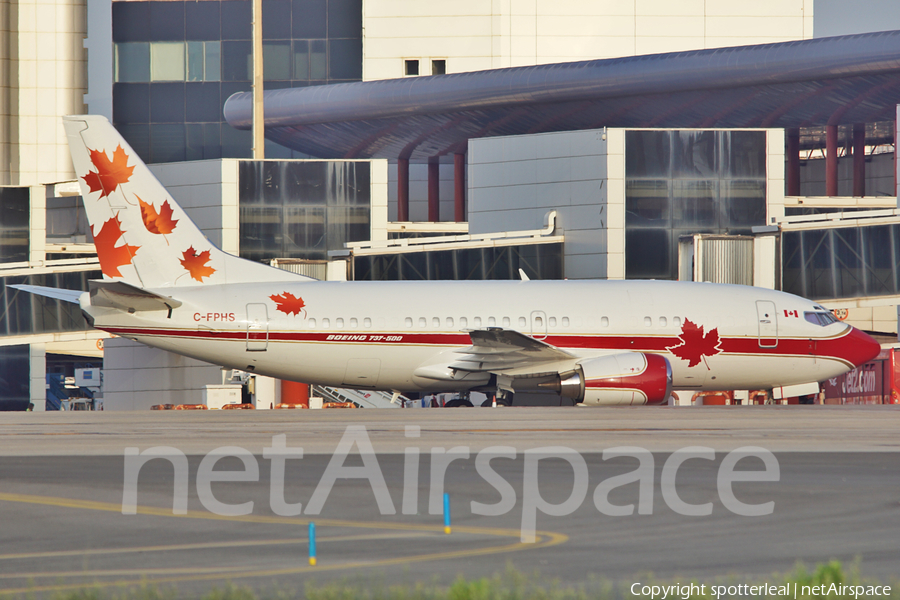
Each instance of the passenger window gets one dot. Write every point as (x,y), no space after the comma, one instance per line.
(477,322)
(676,321)
(326,323)
(506,321)
(663,322)
(312,323)
(463,323)
(408,322)
(367,322)
(339,323)
(354,323)
(435,322)
(449,321)
(604,321)
(538,322)
(422,322)
(523,323)
(648,322)
(552,321)
(565,321)
(492,322)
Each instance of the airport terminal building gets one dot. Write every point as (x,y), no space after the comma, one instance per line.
(576,140)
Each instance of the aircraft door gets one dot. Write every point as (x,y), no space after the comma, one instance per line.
(538,324)
(768,324)
(257,328)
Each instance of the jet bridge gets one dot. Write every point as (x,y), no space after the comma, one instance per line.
(847,260)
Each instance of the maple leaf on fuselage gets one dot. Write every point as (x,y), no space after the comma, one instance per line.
(694,345)
(288,303)
(196,264)
(111,256)
(157,222)
(110,173)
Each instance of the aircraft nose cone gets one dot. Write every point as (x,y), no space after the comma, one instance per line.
(859,347)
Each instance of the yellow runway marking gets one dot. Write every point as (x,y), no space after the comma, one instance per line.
(201,546)
(166,512)
(121,572)
(545,540)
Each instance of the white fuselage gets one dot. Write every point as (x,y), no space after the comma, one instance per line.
(376,335)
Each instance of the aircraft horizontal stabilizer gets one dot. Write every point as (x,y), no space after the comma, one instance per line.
(499,350)
(120,295)
(49,292)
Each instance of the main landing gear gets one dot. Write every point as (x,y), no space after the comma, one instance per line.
(500,398)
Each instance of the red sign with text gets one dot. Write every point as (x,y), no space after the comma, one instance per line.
(876,382)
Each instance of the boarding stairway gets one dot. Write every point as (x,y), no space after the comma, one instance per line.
(362,398)
(56,391)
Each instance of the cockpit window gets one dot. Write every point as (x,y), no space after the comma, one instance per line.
(820,318)
(827,318)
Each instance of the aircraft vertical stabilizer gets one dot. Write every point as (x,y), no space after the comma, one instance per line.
(143,237)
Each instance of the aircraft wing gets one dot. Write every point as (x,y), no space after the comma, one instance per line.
(498,350)
(49,292)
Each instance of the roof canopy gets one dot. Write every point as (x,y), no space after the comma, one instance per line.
(838,80)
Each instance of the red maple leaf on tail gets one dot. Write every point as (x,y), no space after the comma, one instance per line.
(160,222)
(110,173)
(111,256)
(695,346)
(196,264)
(288,303)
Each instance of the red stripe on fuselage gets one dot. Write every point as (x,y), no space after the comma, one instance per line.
(830,348)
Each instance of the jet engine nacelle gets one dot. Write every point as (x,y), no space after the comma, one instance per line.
(627,378)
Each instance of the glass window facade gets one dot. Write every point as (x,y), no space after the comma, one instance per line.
(14,219)
(29,313)
(146,62)
(15,377)
(539,261)
(685,182)
(176,62)
(848,262)
(66,221)
(302,209)
(167,61)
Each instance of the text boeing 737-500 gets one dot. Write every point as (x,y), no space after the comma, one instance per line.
(596,342)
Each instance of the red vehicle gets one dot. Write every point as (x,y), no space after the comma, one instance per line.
(875,382)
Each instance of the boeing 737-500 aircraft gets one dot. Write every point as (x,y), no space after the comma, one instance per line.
(596,342)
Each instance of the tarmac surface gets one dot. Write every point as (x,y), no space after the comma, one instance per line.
(65,483)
